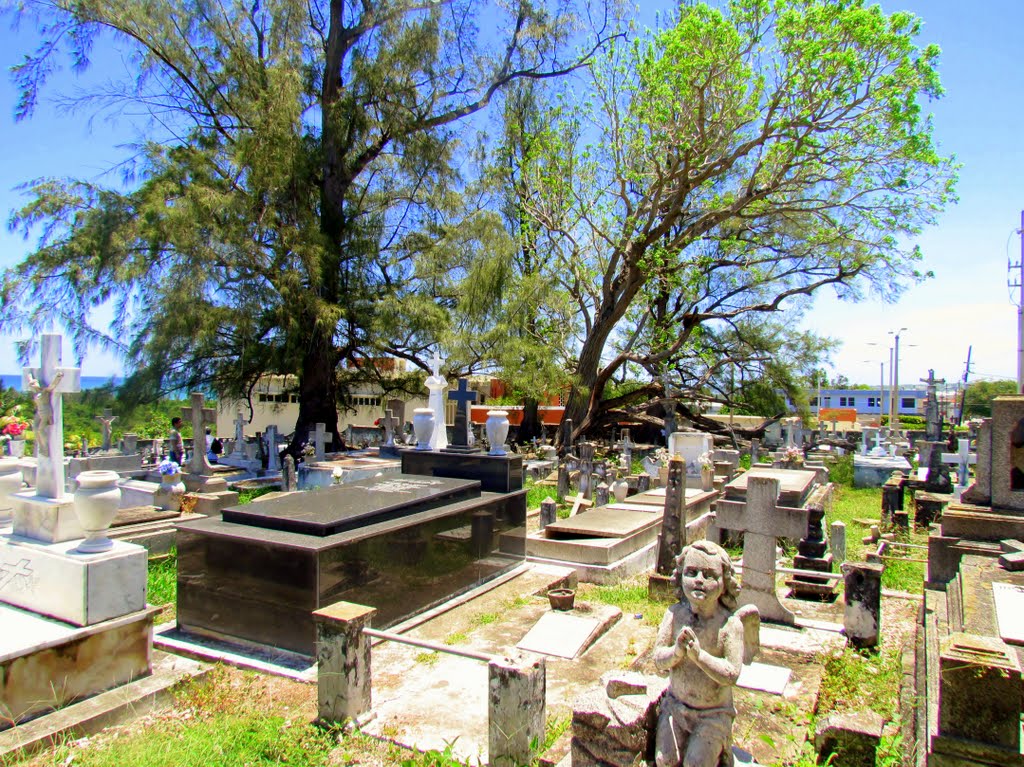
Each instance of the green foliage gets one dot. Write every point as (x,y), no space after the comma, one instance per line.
(435,758)
(979,396)
(841,471)
(248,495)
(854,681)
(162,580)
(630,596)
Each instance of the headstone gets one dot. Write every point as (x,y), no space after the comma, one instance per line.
(106,420)
(46,383)
(318,436)
(761,520)
(566,427)
(586,469)
(862,618)
(436,384)
(837,541)
(199,416)
(289,480)
(932,416)
(962,459)
(130,444)
(691,446)
(981,491)
(389,423)
(670,411)
(755,451)
(239,447)
(273,457)
(463,397)
(601,494)
(672,538)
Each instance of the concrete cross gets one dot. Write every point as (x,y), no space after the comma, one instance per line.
(670,409)
(464,397)
(586,469)
(672,538)
(46,383)
(435,370)
(627,450)
(318,437)
(10,571)
(389,422)
(761,520)
(199,416)
(105,420)
(239,450)
(962,459)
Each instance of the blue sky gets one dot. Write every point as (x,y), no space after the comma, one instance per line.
(967,303)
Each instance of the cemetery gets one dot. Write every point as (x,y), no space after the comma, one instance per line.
(471,411)
(437,607)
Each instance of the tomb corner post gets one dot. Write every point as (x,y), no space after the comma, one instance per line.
(862,618)
(343,661)
(516,690)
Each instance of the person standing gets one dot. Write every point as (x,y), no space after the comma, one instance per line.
(176,447)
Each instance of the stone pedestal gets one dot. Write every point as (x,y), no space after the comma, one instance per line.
(813,554)
(51,520)
(862,618)
(343,661)
(516,689)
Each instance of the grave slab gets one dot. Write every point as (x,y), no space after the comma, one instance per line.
(1009,599)
(564,635)
(764,677)
(794,485)
(601,523)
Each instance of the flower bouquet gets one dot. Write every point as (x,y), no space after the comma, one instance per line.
(793,455)
(168,467)
(12,427)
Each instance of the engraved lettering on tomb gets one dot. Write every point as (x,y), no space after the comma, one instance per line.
(402,485)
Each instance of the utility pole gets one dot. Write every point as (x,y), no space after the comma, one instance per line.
(963,394)
(1017,281)
(894,417)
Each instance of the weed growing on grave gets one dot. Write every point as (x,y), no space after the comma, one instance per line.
(456,637)
(857,681)
(435,758)
(630,596)
(247,496)
(553,730)
(516,602)
(903,575)
(162,582)
(840,473)
(485,619)
(428,658)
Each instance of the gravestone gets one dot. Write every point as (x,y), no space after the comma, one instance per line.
(761,519)
(130,444)
(586,469)
(47,513)
(670,411)
(106,420)
(981,491)
(464,398)
(200,473)
(273,456)
(436,384)
(691,446)
(962,459)
(289,480)
(932,416)
(390,424)
(672,538)
(318,437)
(238,450)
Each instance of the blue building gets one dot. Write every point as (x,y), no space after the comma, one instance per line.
(910,400)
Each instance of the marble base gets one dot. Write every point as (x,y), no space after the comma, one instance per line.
(872,471)
(51,520)
(204,483)
(80,589)
(45,664)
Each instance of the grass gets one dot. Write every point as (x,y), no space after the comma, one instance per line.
(247,496)
(162,582)
(630,596)
(485,619)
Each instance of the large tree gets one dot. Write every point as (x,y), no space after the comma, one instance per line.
(718,172)
(293,160)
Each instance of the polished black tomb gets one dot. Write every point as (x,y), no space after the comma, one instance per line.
(398,542)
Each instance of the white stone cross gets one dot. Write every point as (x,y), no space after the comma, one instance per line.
(761,520)
(47,382)
(106,420)
(239,436)
(962,458)
(389,422)
(436,369)
(199,416)
(318,437)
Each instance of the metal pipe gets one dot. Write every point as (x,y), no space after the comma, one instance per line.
(792,571)
(428,645)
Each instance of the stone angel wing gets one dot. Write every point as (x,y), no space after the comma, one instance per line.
(751,620)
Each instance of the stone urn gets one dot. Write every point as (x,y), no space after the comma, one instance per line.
(497,431)
(168,494)
(707,477)
(16,447)
(619,489)
(10,482)
(97,500)
(423,426)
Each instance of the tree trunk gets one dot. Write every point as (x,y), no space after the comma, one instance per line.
(318,394)
(530,427)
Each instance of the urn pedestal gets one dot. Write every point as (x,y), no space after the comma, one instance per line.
(168,495)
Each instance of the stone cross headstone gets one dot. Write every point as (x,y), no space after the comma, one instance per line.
(463,397)
(289,482)
(673,525)
(389,422)
(106,420)
(273,457)
(755,451)
(932,417)
(318,436)
(762,520)
(436,384)
(627,451)
(46,383)
(239,447)
(962,459)
(586,469)
(199,416)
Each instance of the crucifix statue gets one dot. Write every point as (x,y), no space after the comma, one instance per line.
(105,420)
(200,416)
(46,383)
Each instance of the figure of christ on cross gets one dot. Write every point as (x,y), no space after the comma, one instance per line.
(47,382)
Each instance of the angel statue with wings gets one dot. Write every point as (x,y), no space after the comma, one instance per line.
(703,641)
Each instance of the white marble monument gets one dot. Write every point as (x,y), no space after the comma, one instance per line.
(436,402)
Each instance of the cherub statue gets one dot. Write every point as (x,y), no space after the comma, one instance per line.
(703,642)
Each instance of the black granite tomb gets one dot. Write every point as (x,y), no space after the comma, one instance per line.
(400,542)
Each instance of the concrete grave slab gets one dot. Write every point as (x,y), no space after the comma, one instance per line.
(794,485)
(602,523)
(560,634)
(1009,599)
(764,677)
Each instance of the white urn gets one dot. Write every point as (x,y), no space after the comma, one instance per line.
(423,426)
(97,500)
(619,489)
(169,492)
(497,431)
(10,482)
